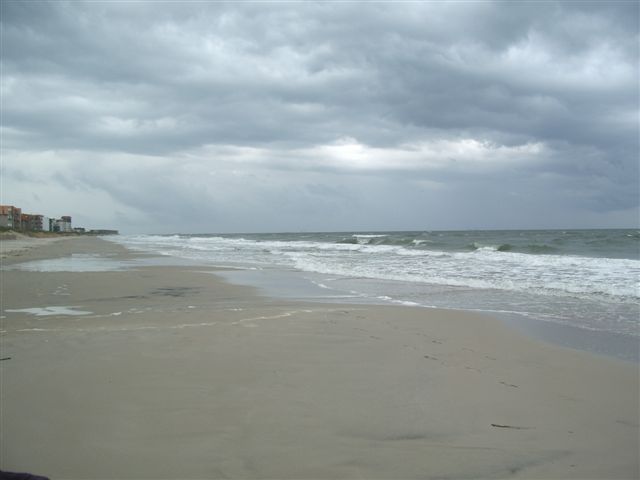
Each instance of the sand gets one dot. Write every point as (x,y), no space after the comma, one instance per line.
(172,373)
(14,245)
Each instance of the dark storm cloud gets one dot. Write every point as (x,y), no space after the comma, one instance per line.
(413,99)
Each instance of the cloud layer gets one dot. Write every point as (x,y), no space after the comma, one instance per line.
(322,116)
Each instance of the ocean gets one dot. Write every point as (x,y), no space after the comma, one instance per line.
(583,279)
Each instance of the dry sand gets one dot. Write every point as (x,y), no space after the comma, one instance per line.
(176,374)
(14,245)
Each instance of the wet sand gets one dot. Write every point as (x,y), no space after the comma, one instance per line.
(172,373)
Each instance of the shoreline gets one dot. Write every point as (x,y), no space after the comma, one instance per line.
(293,285)
(176,373)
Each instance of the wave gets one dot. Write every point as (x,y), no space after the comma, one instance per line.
(348,241)
(609,244)
(363,239)
(563,277)
(427,244)
(412,257)
(533,249)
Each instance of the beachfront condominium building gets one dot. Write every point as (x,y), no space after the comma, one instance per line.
(13,218)
(63,224)
(10,217)
(32,222)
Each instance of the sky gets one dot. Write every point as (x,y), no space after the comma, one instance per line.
(214,117)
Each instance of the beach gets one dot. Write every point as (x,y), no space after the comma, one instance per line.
(152,370)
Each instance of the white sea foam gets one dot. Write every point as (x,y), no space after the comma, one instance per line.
(48,311)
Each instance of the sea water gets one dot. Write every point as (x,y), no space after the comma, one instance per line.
(587,279)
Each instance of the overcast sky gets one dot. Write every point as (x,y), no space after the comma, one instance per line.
(250,117)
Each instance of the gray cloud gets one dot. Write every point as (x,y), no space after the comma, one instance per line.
(261,116)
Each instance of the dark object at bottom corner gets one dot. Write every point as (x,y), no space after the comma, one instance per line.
(20,476)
